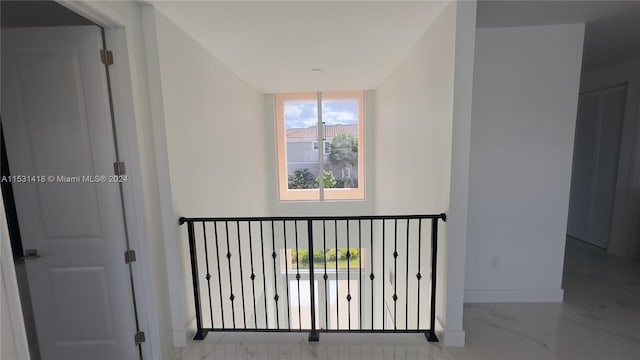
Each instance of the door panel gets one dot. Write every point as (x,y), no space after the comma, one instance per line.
(595,164)
(83,324)
(57,124)
(583,166)
(608,149)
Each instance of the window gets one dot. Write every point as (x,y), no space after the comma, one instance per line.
(327,147)
(303,121)
(344,273)
(332,259)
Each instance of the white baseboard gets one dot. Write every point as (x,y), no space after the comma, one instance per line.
(182,337)
(453,338)
(514,296)
(450,337)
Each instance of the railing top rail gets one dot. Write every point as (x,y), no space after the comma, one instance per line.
(441,216)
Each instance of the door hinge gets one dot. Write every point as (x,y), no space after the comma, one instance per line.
(106,56)
(118,168)
(129,256)
(139,337)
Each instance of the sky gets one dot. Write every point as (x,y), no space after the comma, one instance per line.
(302,114)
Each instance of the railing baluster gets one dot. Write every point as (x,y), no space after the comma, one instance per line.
(264,278)
(215,234)
(244,309)
(208,276)
(419,275)
(201,333)
(384,272)
(360,273)
(395,274)
(286,272)
(232,297)
(335,234)
(348,278)
(371,276)
(313,335)
(406,283)
(252,277)
(274,254)
(295,228)
(325,277)
(431,335)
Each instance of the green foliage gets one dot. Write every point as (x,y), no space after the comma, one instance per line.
(301,256)
(344,150)
(318,256)
(302,179)
(328,178)
(334,258)
(343,153)
(353,252)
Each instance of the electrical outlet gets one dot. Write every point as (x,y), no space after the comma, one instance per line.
(495,261)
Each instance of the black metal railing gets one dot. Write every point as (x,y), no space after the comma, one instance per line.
(314,274)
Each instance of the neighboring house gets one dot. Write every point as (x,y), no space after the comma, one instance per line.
(303,147)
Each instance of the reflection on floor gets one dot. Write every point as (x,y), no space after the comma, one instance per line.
(331,346)
(600,319)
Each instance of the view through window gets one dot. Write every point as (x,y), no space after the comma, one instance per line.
(332,308)
(308,170)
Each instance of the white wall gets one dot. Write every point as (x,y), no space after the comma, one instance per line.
(625,229)
(413,125)
(214,130)
(455,247)
(525,95)
(414,108)
(415,139)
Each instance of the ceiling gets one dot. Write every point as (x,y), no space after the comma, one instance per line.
(274,45)
(612,33)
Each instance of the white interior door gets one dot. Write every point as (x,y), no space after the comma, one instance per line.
(56,119)
(583,166)
(613,102)
(595,164)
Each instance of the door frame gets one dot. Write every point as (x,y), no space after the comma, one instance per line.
(9,290)
(116,32)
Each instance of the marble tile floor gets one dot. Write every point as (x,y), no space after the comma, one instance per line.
(599,320)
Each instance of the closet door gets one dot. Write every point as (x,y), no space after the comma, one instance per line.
(595,164)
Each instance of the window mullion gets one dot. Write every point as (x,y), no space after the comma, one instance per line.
(320,133)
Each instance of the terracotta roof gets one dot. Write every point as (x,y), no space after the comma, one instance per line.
(329,131)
